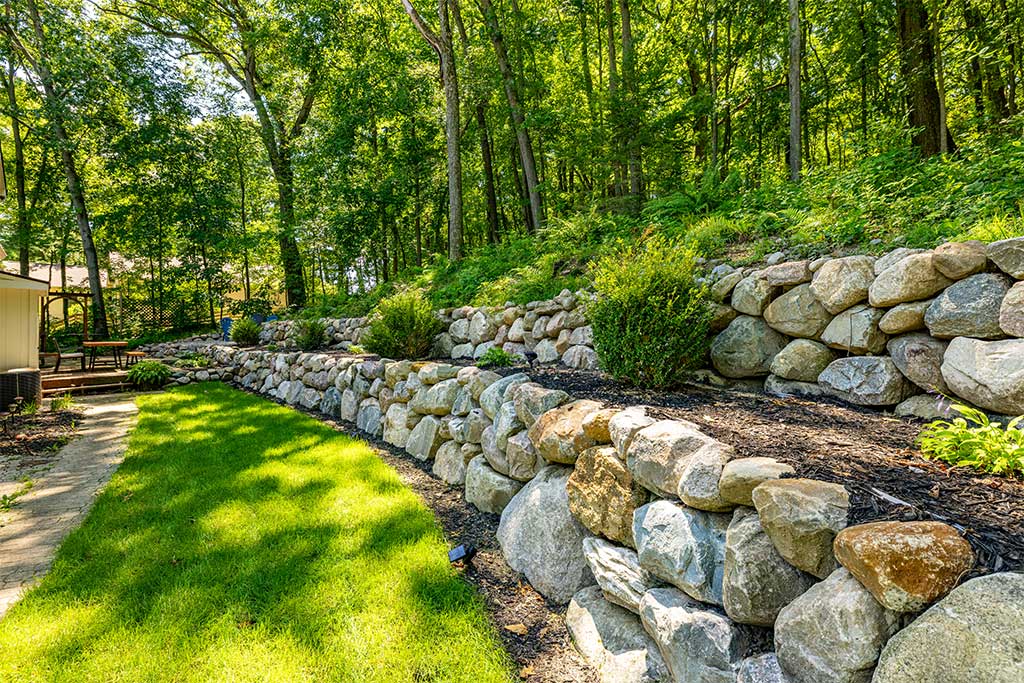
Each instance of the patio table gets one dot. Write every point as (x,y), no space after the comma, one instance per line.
(94,346)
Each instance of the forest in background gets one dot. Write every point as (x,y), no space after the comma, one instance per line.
(487,150)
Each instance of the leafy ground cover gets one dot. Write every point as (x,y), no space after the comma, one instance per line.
(243,541)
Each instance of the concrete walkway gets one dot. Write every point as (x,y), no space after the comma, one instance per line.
(61,498)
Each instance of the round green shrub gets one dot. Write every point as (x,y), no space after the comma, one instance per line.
(245,332)
(403,326)
(310,335)
(149,374)
(651,318)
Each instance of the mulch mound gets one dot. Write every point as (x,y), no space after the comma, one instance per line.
(34,440)
(870,453)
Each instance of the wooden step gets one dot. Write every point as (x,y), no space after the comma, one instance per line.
(75,380)
(89,388)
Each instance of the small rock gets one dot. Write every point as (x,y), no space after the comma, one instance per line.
(787,274)
(624,425)
(1011,313)
(905,317)
(424,439)
(762,669)
(1008,255)
(843,282)
(618,572)
(752,295)
(698,485)
(741,476)
(856,330)
(919,357)
(802,360)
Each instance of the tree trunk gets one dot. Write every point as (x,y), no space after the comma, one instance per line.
(24,239)
(488,160)
(508,81)
(291,259)
(632,114)
(917,64)
(794,90)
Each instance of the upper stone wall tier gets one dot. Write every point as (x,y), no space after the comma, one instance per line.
(880,331)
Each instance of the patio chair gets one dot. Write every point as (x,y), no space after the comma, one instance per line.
(63,355)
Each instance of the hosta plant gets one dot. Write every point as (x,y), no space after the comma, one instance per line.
(973,440)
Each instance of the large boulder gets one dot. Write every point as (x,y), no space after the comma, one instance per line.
(481,328)
(969,308)
(787,274)
(558,434)
(488,490)
(919,357)
(1008,255)
(618,573)
(893,257)
(856,330)
(905,317)
(974,634)
(451,460)
(988,374)
(683,546)
(757,582)
(906,565)
(746,348)
(802,517)
(541,539)
(866,381)
(493,396)
(523,460)
(843,282)
(603,495)
(742,475)
(368,417)
(957,260)
(396,425)
(833,633)
(909,279)
(658,454)
(798,313)
(613,641)
(697,643)
(802,360)
(625,424)
(698,484)
(436,399)
(752,295)
(1011,315)
(762,669)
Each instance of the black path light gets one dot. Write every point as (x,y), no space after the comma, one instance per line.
(461,553)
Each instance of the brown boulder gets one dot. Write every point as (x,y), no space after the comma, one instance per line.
(603,495)
(905,565)
(558,434)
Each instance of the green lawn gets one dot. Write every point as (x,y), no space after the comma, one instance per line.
(243,541)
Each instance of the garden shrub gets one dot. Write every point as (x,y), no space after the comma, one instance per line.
(310,335)
(972,440)
(245,332)
(149,374)
(651,317)
(496,357)
(403,326)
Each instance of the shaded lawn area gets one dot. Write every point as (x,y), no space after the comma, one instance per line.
(244,541)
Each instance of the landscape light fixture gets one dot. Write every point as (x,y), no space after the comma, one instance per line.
(461,553)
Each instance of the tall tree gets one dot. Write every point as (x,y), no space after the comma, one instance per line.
(917,66)
(794,90)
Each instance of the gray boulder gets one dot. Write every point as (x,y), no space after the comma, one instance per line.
(425,438)
(866,381)
(919,358)
(856,330)
(752,295)
(1008,255)
(658,454)
(969,308)
(909,279)
(541,539)
(976,633)
(757,581)
(486,489)
(762,669)
(682,546)
(698,485)
(625,424)
(905,317)
(746,348)
(833,633)
(843,282)
(697,643)
(988,374)
(493,396)
(451,461)
(802,360)
(613,641)
(1011,313)
(532,400)
(618,573)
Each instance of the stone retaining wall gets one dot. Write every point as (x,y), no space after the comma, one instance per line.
(679,561)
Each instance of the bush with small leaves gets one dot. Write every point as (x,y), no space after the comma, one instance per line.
(972,440)
(403,326)
(496,357)
(310,335)
(651,318)
(245,332)
(149,374)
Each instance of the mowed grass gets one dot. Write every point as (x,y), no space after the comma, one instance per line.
(243,541)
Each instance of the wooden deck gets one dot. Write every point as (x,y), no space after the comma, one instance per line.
(101,380)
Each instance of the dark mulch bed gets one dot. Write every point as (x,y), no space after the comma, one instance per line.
(531,628)
(34,440)
(870,453)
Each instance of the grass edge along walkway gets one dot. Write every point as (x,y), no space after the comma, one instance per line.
(244,541)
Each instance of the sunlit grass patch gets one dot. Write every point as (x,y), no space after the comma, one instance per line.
(243,541)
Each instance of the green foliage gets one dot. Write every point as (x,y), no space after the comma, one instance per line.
(245,332)
(253,306)
(149,374)
(192,359)
(310,334)
(497,357)
(650,318)
(403,326)
(972,440)
(61,402)
(297,555)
